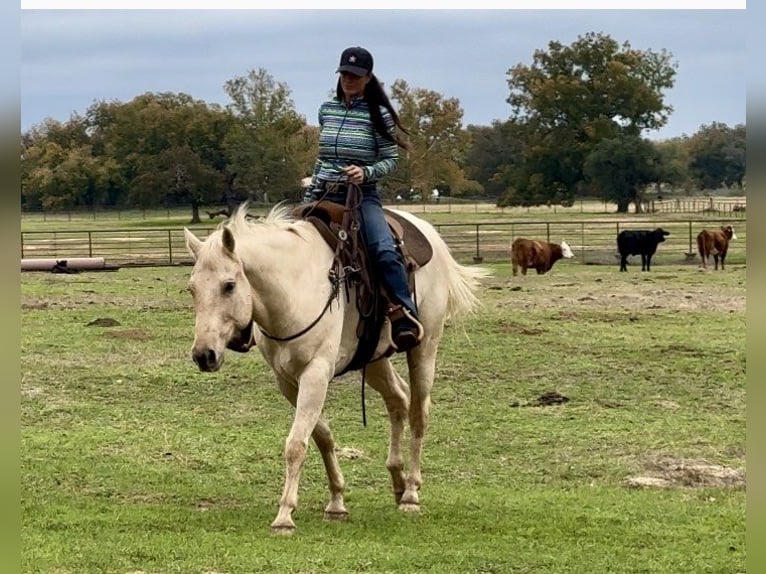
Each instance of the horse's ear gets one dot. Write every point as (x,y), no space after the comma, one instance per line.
(228,240)
(193,244)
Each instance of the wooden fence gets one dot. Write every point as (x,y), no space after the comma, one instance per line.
(593,242)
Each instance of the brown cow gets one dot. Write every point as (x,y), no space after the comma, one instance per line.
(537,255)
(715,243)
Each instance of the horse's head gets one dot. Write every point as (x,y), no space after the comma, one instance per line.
(223,302)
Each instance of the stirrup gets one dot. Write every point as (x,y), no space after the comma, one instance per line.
(407,338)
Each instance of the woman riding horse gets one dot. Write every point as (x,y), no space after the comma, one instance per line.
(358,145)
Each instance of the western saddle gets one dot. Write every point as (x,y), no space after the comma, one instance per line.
(339,225)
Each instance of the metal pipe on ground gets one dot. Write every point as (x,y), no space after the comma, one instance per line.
(73,263)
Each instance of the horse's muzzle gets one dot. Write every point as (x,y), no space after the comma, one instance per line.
(207,360)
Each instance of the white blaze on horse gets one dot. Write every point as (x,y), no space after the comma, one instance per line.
(270,276)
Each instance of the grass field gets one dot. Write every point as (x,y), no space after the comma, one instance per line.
(135,462)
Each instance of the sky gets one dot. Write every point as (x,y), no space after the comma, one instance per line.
(72,58)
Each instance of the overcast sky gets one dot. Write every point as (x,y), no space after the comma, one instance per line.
(71,58)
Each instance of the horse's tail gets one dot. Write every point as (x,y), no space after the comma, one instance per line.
(462,282)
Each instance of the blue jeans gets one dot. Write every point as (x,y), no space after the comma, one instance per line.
(381,248)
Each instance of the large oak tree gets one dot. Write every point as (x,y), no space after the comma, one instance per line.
(570,99)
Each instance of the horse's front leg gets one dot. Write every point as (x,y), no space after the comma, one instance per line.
(322,435)
(311,393)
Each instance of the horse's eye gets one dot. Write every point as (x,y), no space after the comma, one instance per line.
(228,287)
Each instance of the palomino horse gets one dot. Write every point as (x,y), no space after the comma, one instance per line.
(256,282)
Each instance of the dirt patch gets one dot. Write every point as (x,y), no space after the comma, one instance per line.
(511,327)
(670,472)
(134,334)
(551,398)
(103,322)
(35,305)
(684,350)
(637,292)
(545,400)
(587,315)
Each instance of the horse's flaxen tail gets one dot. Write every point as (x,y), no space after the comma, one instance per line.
(463,281)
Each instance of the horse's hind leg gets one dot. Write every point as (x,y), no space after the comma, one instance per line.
(308,400)
(382,377)
(421,361)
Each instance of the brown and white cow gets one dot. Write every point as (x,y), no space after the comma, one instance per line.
(537,255)
(715,243)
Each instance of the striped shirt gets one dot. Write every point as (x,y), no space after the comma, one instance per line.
(347,137)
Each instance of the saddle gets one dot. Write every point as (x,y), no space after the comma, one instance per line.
(340,227)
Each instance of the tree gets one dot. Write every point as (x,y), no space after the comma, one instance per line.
(176,175)
(59,169)
(621,167)
(494,150)
(573,97)
(157,135)
(717,156)
(267,145)
(437,141)
(672,164)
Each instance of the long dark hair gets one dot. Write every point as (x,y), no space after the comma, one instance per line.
(375,97)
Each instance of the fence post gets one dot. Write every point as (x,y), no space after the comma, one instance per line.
(582,240)
(170,249)
(477,258)
(90,244)
(22,245)
(690,237)
(548,232)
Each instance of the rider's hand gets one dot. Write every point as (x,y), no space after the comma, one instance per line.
(354,174)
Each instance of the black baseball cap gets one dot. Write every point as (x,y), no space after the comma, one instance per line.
(356,60)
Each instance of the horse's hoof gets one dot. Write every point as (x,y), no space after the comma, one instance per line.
(336,516)
(398,497)
(283,530)
(409,507)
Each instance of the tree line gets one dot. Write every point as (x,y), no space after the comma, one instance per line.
(577,115)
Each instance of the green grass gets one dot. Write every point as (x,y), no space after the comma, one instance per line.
(133,461)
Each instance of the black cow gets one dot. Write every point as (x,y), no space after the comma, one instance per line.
(639,242)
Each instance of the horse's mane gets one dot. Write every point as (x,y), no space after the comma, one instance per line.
(279,217)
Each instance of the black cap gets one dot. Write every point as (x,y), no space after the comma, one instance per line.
(356,60)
